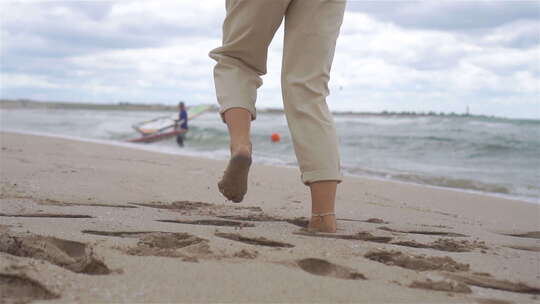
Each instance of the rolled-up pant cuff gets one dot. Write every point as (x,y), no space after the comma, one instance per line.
(321,175)
(224,107)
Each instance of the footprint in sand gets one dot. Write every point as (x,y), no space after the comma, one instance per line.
(424,232)
(298,221)
(360,236)
(457,246)
(447,264)
(415,262)
(526,248)
(101,205)
(17,288)
(370,220)
(210,223)
(178,205)
(250,208)
(261,241)
(443,285)
(531,235)
(52,202)
(45,215)
(492,301)
(251,218)
(448,245)
(118,233)
(164,244)
(324,268)
(71,255)
(169,240)
(198,208)
(246,254)
(492,283)
(412,244)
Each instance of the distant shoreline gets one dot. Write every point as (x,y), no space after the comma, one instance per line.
(32,104)
(127,106)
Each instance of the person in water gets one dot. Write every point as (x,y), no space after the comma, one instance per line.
(311,31)
(182,123)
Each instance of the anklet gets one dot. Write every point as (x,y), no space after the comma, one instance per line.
(322,214)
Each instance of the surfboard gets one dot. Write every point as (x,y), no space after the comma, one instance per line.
(157,136)
(164,126)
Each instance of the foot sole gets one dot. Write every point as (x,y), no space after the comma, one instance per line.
(233,185)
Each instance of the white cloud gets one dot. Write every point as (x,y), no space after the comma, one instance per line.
(27,81)
(523,33)
(157,51)
(394,68)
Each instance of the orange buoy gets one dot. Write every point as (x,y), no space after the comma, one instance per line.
(275,137)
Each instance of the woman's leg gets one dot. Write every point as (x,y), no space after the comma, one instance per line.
(238,122)
(233,185)
(248,29)
(323,197)
(307,59)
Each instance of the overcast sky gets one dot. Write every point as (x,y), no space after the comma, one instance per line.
(391,55)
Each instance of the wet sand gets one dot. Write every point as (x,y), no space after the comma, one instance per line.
(87,222)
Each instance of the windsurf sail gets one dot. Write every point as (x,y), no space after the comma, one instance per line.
(163,123)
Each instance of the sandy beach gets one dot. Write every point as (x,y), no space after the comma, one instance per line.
(93,223)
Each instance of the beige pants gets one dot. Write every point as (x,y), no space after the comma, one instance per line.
(311,30)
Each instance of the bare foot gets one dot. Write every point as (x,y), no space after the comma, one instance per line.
(233,184)
(325,223)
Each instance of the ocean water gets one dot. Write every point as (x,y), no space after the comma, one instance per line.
(489,155)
